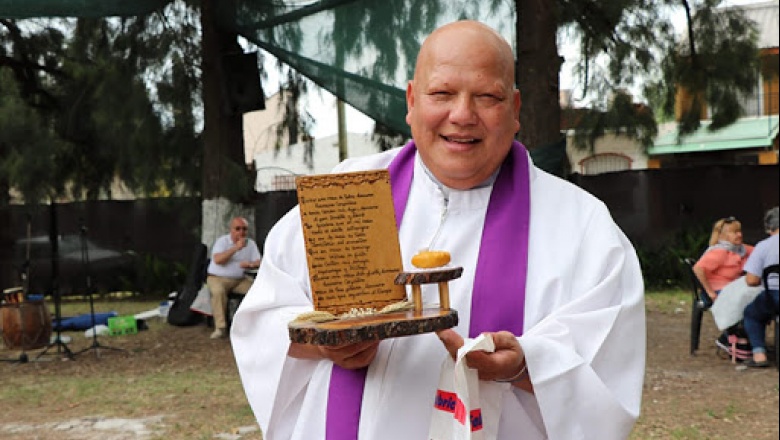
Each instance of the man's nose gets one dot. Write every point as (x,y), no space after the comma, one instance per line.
(462,112)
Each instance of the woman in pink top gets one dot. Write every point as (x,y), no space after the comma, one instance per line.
(722,262)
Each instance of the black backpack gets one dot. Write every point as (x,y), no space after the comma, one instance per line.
(180,313)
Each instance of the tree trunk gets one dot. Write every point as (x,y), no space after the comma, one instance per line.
(223,140)
(5,182)
(537,72)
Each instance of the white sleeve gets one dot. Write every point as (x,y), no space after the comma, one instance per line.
(586,352)
(272,380)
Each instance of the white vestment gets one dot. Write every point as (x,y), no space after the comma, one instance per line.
(584,324)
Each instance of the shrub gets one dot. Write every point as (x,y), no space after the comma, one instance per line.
(663,266)
(157,276)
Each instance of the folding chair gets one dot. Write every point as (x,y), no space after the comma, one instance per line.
(700,302)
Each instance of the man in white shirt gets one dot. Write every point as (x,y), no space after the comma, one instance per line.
(546,274)
(759,312)
(231,256)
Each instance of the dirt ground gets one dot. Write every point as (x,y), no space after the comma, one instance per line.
(702,396)
(685,397)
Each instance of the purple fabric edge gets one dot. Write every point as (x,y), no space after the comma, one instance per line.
(500,268)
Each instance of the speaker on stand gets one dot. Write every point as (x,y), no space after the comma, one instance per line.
(242,89)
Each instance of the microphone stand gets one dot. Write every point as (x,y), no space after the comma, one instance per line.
(88,284)
(55,289)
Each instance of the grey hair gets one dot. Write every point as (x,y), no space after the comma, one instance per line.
(772,219)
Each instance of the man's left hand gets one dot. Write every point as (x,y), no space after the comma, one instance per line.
(505,362)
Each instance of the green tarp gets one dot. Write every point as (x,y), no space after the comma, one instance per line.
(362,51)
(77,8)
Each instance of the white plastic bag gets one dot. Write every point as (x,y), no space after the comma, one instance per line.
(102,330)
(457,412)
(202,302)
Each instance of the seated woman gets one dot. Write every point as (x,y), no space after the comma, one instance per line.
(723,261)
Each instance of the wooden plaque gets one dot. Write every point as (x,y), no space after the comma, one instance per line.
(351,239)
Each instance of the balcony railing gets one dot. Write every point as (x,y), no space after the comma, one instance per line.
(760,104)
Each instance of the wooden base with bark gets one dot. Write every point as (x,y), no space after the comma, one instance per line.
(373,327)
(388,325)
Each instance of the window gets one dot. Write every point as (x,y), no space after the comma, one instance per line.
(283,182)
(605,163)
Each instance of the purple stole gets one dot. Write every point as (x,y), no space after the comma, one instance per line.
(498,295)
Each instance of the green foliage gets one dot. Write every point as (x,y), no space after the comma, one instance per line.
(624,34)
(27,144)
(157,276)
(100,100)
(122,95)
(717,65)
(662,266)
(622,117)
(637,40)
(295,124)
(385,137)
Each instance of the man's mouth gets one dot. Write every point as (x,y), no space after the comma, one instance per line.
(460,140)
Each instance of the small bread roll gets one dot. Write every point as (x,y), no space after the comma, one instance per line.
(429,259)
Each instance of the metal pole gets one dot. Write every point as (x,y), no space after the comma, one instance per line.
(342,130)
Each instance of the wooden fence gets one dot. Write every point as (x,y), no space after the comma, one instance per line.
(649,205)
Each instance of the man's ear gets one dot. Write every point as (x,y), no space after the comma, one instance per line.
(409,100)
(518,103)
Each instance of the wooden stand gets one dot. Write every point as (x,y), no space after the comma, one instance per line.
(387,325)
(430,276)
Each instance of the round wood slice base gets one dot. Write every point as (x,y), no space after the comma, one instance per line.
(429,276)
(373,328)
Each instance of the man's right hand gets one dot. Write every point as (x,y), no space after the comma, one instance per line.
(349,356)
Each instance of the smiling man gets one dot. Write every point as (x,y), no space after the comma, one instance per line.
(546,274)
(463,106)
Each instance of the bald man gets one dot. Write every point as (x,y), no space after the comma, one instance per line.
(231,256)
(548,276)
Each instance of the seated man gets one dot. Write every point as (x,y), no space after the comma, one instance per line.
(231,256)
(759,312)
